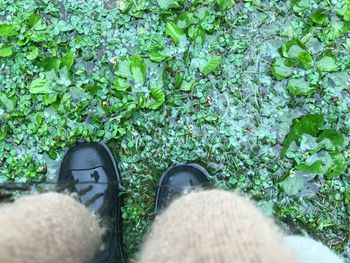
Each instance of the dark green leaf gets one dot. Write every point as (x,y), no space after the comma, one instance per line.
(49,64)
(320,16)
(338,167)
(308,124)
(336,139)
(138,69)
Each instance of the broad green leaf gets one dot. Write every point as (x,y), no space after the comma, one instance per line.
(196,33)
(307,124)
(5,51)
(6,102)
(176,34)
(320,16)
(327,62)
(316,167)
(159,98)
(280,70)
(296,55)
(335,138)
(121,84)
(300,87)
(7,30)
(344,11)
(167,4)
(35,22)
(306,61)
(33,54)
(49,64)
(184,20)
(225,4)
(187,85)
(122,68)
(293,185)
(301,5)
(158,56)
(40,86)
(68,60)
(211,63)
(138,69)
(338,167)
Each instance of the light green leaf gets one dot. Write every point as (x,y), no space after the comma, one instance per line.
(293,185)
(7,30)
(344,11)
(5,51)
(138,69)
(187,85)
(300,87)
(122,68)
(7,103)
(225,4)
(33,54)
(40,86)
(212,62)
(301,5)
(167,4)
(158,56)
(121,84)
(280,70)
(327,62)
(184,20)
(68,60)
(316,167)
(159,98)
(176,34)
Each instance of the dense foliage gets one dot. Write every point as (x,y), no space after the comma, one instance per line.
(257,91)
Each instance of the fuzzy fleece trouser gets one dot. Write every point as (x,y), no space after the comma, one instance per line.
(201,227)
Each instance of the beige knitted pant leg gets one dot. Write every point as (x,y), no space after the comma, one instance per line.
(47,228)
(214,227)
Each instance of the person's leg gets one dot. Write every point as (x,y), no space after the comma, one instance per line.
(55,228)
(47,228)
(308,250)
(214,226)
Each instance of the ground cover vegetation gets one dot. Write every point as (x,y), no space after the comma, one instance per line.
(256,91)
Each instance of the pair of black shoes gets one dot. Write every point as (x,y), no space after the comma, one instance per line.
(91,171)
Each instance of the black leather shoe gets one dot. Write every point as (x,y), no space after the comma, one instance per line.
(90,170)
(178,180)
